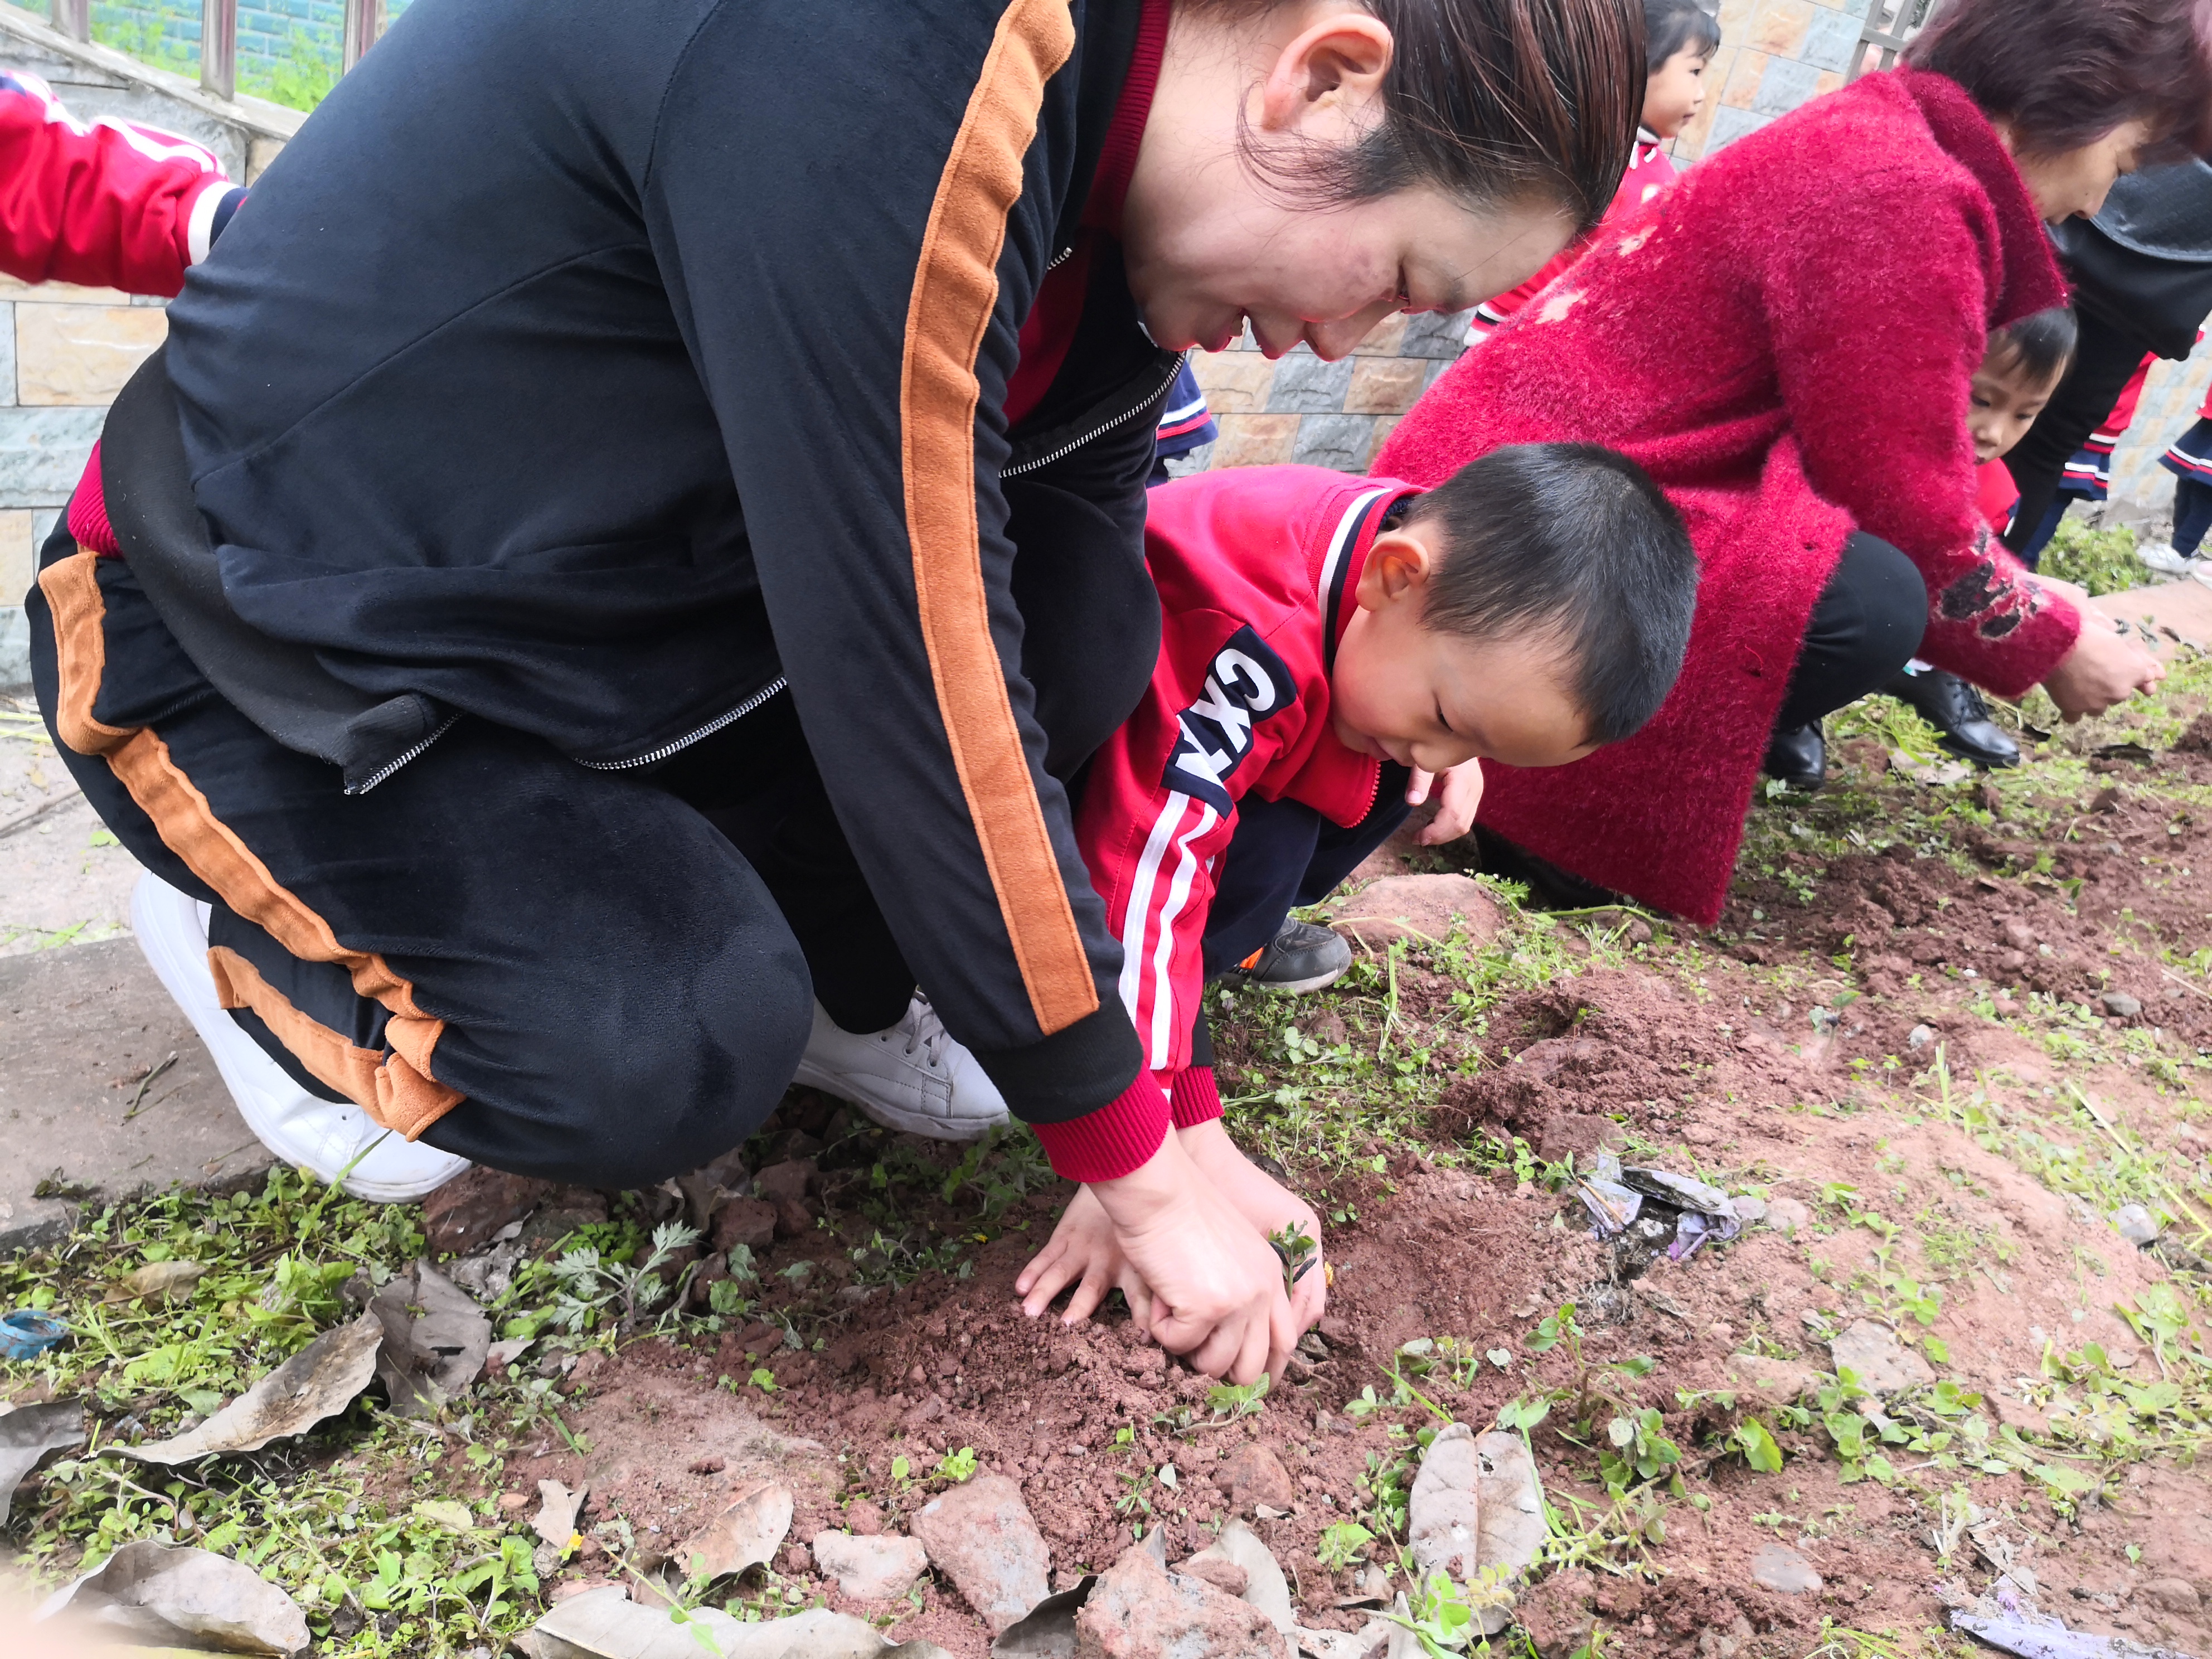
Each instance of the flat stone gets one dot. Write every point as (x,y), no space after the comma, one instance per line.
(1781,1380)
(1255,1475)
(1420,909)
(467,1212)
(981,1536)
(1442,1511)
(43,452)
(1784,1571)
(1140,1610)
(2120,1004)
(745,1221)
(70,356)
(879,1569)
(2135,1223)
(1878,1359)
(79,1028)
(1787,1216)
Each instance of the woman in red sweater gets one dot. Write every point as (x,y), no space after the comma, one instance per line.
(1784,341)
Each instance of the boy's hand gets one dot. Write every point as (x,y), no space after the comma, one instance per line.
(1459,793)
(1082,1252)
(1207,1283)
(1267,1205)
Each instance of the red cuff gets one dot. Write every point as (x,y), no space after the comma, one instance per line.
(1108,1144)
(88,512)
(1195,1098)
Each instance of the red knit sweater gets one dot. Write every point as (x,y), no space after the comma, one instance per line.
(1785,340)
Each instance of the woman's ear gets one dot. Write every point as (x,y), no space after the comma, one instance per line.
(1334,67)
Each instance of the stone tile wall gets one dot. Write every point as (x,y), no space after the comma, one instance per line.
(2142,490)
(1774,55)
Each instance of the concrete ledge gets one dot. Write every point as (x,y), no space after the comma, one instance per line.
(79,1028)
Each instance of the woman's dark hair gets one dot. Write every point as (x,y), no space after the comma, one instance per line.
(1673,26)
(2039,345)
(2063,73)
(1490,101)
(1576,540)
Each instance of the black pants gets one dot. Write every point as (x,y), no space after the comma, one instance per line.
(1866,625)
(598,977)
(2104,364)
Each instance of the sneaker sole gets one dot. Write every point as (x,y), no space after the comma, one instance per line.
(893,1117)
(1299,986)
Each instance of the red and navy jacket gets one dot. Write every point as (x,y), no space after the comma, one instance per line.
(104,203)
(1650,170)
(1256,567)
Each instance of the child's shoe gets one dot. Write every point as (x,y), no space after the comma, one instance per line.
(329,1137)
(2169,560)
(913,1077)
(1302,958)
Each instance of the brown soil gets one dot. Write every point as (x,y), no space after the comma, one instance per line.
(1749,1055)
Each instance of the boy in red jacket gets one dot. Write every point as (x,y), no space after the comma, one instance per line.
(1320,637)
(104,203)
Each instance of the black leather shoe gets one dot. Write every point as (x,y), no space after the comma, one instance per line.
(1550,888)
(1304,958)
(1956,709)
(1799,756)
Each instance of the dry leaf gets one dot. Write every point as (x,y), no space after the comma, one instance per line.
(27,1434)
(156,1595)
(163,1279)
(435,1339)
(557,1510)
(745,1535)
(605,1624)
(320,1381)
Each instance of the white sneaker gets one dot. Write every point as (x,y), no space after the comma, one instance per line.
(2167,561)
(304,1130)
(914,1077)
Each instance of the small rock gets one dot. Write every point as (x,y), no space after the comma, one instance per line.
(1723,1335)
(746,1533)
(794,1559)
(1700,1134)
(1265,1587)
(1419,907)
(2137,1224)
(1222,1573)
(1780,1379)
(1784,1571)
(877,1569)
(1919,1036)
(2172,1595)
(980,1536)
(1139,1610)
(1878,1359)
(461,1215)
(2120,1004)
(1787,1216)
(745,1221)
(1255,1475)
(784,1187)
(1749,1209)
(864,1519)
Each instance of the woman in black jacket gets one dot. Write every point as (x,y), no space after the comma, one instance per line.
(632,536)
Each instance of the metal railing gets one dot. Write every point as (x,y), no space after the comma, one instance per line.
(1890,27)
(364,24)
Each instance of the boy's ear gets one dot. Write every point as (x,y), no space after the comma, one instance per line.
(1399,565)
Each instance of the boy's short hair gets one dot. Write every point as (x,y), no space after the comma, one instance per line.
(1573,540)
(2040,345)
(1671,25)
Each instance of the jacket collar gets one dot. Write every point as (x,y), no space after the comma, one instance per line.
(2027,277)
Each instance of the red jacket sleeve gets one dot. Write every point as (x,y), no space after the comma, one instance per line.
(101,204)
(1874,371)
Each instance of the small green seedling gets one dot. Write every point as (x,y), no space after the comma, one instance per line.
(957,1467)
(1298,1249)
(1341,1544)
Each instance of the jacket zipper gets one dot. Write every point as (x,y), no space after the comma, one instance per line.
(398,761)
(1122,419)
(653,756)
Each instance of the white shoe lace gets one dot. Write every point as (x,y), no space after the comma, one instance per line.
(924,1031)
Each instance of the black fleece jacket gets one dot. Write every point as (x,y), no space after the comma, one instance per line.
(590,368)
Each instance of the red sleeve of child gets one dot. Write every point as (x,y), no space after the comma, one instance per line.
(101,204)
(1195,1096)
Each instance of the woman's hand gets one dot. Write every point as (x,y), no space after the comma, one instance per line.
(1200,1278)
(2104,668)
(1459,793)
(1267,1205)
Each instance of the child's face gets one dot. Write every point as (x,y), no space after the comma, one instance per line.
(2003,404)
(1432,699)
(1675,93)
